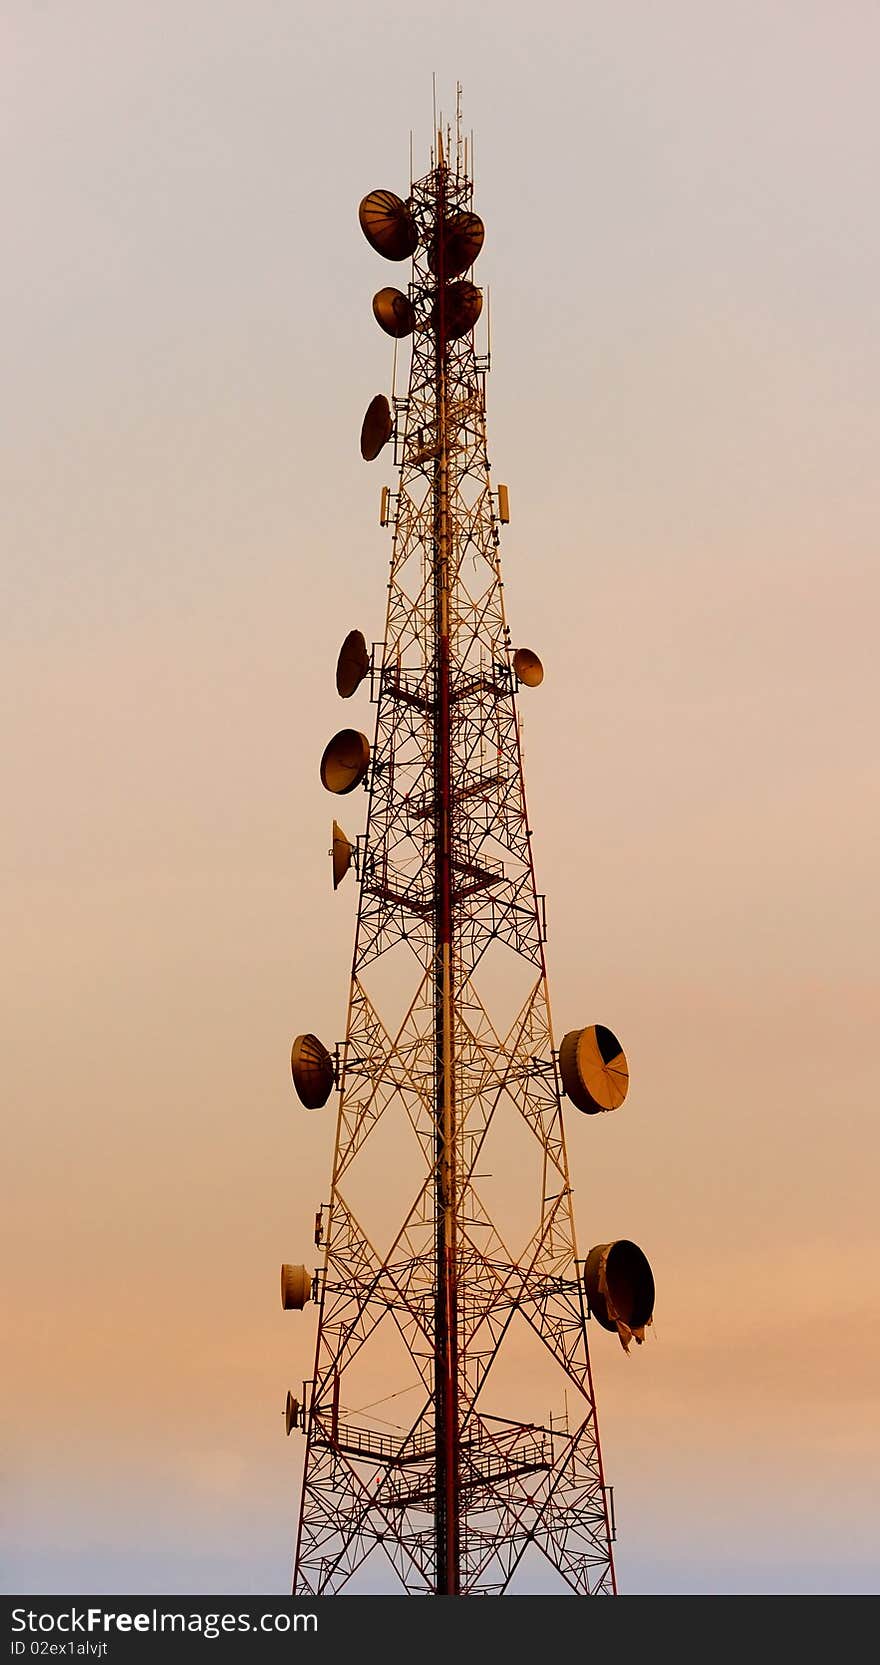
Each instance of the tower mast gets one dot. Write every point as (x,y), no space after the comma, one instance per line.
(462,1495)
(446,1374)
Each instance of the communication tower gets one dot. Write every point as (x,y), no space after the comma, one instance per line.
(449,1095)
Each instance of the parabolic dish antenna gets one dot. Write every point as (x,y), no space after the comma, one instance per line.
(388,225)
(311,1066)
(377,427)
(352,664)
(462,305)
(594,1070)
(463,236)
(620,1286)
(291,1414)
(296,1288)
(528,668)
(394,313)
(345,761)
(341,854)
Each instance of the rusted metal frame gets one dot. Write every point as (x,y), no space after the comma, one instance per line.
(474,736)
(518,745)
(351,1336)
(371,1445)
(556,1282)
(592,1521)
(531,1537)
(411,1083)
(476,515)
(374,1294)
(447,1500)
(384,930)
(513,1288)
(508,1046)
(508,829)
(320,1339)
(555,1471)
(501,1087)
(491,1078)
(369,1506)
(473,811)
(517,927)
(394,690)
(373,1065)
(512,1531)
(477,684)
(399,899)
(383,1500)
(471,621)
(552,1335)
(337,1524)
(511,1078)
(386,1266)
(506,913)
(363,1124)
(359,1124)
(475,885)
(367,1294)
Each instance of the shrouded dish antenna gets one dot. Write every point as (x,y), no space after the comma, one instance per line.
(352,664)
(594,1070)
(462,305)
(528,668)
(345,761)
(377,427)
(388,225)
(620,1288)
(462,241)
(296,1288)
(314,1075)
(394,313)
(291,1414)
(341,854)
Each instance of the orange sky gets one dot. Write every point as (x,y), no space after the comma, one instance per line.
(684,402)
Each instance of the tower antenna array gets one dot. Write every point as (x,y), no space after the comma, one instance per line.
(434,1292)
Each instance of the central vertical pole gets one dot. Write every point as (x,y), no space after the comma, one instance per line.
(446,1325)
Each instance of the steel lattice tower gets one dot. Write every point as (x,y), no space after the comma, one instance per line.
(459,1498)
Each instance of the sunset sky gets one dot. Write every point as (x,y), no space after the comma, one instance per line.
(683,252)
